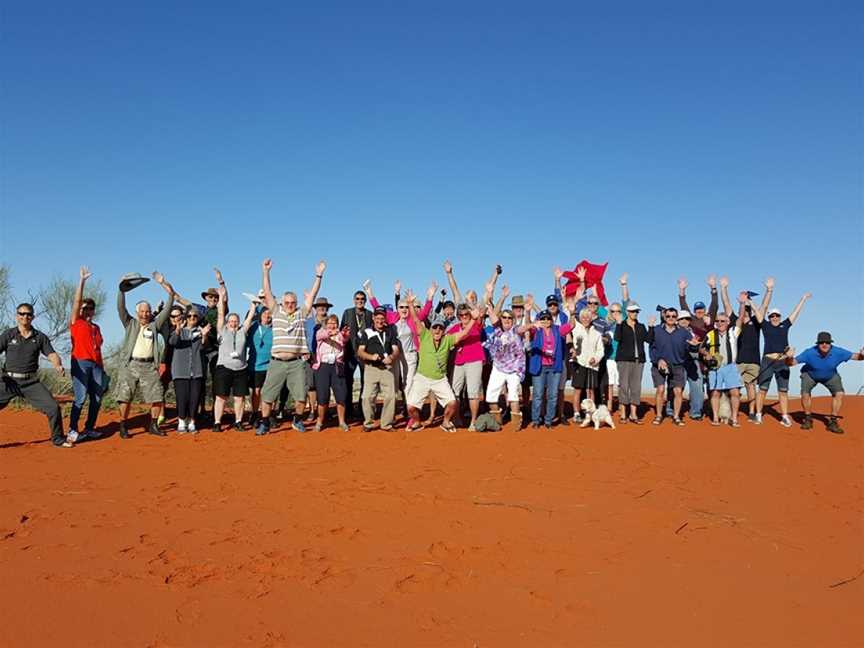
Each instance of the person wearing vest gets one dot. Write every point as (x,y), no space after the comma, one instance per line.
(140,354)
(379,350)
(720,355)
(290,349)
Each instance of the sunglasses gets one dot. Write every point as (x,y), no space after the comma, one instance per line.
(773,316)
(25,314)
(360,299)
(289,303)
(177,316)
(464,315)
(593,303)
(88,308)
(719,321)
(403,308)
(615,310)
(825,344)
(192,316)
(671,316)
(545,319)
(507,317)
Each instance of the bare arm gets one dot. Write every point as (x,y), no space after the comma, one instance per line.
(451,279)
(265,284)
(625,289)
(724,293)
(682,294)
(84,274)
(250,317)
(165,313)
(220,310)
(769,293)
(412,312)
(797,311)
(221,282)
(309,297)
(476,313)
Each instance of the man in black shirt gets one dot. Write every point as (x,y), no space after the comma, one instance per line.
(22,345)
(378,348)
(356,319)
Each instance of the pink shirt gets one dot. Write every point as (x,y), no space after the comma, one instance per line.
(322,346)
(393,317)
(470,347)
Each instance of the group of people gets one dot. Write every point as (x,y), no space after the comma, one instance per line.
(286,353)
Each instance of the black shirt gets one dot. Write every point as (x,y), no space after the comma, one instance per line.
(381,342)
(22,353)
(776,337)
(748,343)
(631,342)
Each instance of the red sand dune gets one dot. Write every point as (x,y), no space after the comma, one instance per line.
(694,536)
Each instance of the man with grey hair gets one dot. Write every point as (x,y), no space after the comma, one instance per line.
(140,353)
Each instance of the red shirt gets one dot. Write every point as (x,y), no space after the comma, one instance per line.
(86,341)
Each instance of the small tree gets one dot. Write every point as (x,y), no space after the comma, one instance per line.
(6,300)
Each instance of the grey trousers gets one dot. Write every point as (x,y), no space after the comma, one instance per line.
(629,382)
(35,393)
(379,381)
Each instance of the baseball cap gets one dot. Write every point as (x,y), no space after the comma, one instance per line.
(699,305)
(551,299)
(774,311)
(380,310)
(824,336)
(633,306)
(438,321)
(544,314)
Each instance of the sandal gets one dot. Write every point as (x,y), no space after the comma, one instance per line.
(679,422)
(715,423)
(448,427)
(657,420)
(635,420)
(735,424)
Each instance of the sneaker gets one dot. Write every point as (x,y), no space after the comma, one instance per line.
(577,419)
(155,431)
(386,428)
(72,436)
(298,425)
(181,426)
(785,421)
(238,425)
(124,432)
(751,418)
(262,428)
(317,427)
(807,423)
(60,442)
(190,427)
(757,419)
(833,426)
(344,427)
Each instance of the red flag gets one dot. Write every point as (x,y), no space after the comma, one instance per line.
(593,279)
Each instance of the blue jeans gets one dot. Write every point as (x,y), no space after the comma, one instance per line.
(88,379)
(697,392)
(546,382)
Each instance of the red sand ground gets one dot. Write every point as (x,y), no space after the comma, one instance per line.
(645,536)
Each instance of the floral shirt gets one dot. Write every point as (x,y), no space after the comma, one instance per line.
(507,351)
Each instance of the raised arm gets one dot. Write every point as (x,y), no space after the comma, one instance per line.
(724,293)
(625,290)
(220,310)
(797,310)
(83,276)
(476,314)
(769,293)
(712,306)
(123,313)
(165,313)
(427,307)
(310,295)
(451,279)
(269,300)
(682,294)
(495,311)
(557,273)
(490,285)
(221,282)
(250,317)
(412,313)
(397,292)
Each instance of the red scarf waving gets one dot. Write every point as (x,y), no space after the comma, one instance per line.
(593,279)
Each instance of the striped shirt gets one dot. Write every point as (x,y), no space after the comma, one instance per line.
(289,334)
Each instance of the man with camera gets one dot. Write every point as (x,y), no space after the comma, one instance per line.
(379,349)
(670,348)
(720,354)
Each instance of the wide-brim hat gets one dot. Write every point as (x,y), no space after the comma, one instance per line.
(824,336)
(518,300)
(132,280)
(210,292)
(684,314)
(322,301)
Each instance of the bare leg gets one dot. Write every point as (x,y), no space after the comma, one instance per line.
(836,404)
(495,411)
(735,398)
(155,408)
(806,403)
(474,406)
(784,403)
(715,406)
(449,411)
(340,412)
(218,409)
(659,401)
(760,399)
(322,414)
(414,415)
(433,405)
(577,400)
(313,406)
(239,404)
(676,401)
(124,411)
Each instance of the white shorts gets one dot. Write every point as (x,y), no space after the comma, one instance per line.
(421,387)
(497,381)
(468,375)
(612,372)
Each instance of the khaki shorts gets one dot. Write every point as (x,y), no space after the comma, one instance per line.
(422,386)
(749,372)
(139,374)
(469,376)
(291,373)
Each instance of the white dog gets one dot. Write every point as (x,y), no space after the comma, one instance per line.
(597,415)
(724,410)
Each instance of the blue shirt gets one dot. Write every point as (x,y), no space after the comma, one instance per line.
(776,337)
(671,347)
(260,343)
(312,325)
(822,368)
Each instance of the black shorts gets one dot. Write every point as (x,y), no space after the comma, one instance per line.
(227,381)
(327,377)
(677,376)
(258,379)
(583,377)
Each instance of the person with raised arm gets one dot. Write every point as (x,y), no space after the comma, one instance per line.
(545,364)
(140,354)
(720,354)
(231,377)
(703,319)
(22,345)
(820,368)
(290,348)
(431,376)
(631,336)
(775,333)
(87,368)
(186,341)
(506,348)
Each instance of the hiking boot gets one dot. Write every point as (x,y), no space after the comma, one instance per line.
(155,431)
(262,429)
(833,426)
(807,423)
(124,432)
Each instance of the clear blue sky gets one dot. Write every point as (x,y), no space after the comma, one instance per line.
(665,138)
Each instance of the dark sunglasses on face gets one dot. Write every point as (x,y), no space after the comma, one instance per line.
(773,316)
(192,316)
(615,311)
(593,303)
(507,317)
(25,314)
